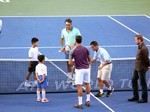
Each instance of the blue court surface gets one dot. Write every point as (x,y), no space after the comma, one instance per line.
(64,102)
(114,33)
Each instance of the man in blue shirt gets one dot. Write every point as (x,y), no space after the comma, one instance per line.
(104,70)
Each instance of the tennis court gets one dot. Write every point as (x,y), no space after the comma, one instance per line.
(114,32)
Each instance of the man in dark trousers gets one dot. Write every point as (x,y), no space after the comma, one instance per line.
(141,66)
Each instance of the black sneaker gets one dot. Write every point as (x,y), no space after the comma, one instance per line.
(133,99)
(109,92)
(87,103)
(78,106)
(142,101)
(99,94)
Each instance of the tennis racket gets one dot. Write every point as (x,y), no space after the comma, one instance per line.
(66,49)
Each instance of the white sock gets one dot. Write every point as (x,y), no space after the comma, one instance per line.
(69,75)
(80,100)
(109,88)
(43,94)
(38,94)
(87,97)
(101,90)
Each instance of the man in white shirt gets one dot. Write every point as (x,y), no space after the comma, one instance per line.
(104,70)
(33,55)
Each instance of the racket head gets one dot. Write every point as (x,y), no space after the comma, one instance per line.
(67,48)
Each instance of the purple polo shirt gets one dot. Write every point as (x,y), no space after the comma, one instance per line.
(80,55)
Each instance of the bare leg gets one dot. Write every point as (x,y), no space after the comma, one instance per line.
(69,68)
(110,89)
(100,83)
(106,83)
(34,76)
(87,85)
(79,87)
(28,75)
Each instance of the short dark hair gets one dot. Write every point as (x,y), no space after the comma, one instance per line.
(79,39)
(94,43)
(41,58)
(68,20)
(34,40)
(139,37)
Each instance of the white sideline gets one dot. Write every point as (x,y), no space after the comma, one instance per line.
(127,27)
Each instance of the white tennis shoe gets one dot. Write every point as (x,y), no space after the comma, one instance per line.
(45,100)
(38,99)
(26,84)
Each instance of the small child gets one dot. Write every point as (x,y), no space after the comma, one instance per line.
(41,74)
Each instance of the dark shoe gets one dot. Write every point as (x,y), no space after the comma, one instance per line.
(78,106)
(87,103)
(142,101)
(99,94)
(109,92)
(133,99)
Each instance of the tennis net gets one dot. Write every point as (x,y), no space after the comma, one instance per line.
(13,73)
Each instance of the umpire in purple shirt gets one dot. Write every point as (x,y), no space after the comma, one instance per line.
(82,58)
(141,66)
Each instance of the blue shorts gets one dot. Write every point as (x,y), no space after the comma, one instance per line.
(43,84)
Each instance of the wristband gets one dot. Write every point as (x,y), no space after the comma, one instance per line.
(61,45)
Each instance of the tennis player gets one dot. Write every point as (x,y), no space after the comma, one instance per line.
(68,36)
(141,66)
(41,75)
(81,57)
(104,70)
(33,54)
(1,24)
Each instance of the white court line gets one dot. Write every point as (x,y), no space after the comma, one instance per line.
(75,16)
(127,27)
(100,101)
(57,47)
(147,16)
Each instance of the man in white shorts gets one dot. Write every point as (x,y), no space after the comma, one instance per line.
(82,58)
(104,70)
